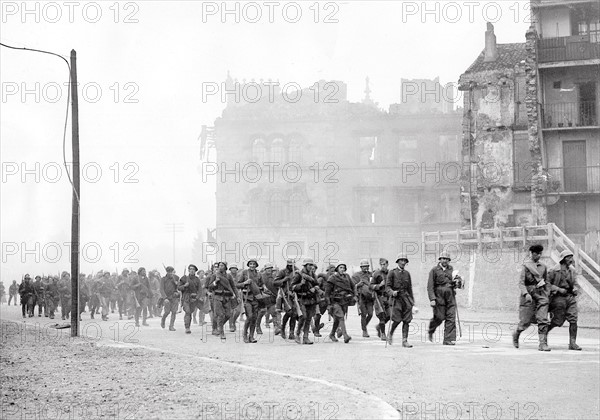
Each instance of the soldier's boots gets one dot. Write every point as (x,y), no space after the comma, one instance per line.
(333,338)
(277,330)
(258,329)
(339,333)
(231,327)
(188,331)
(162,321)
(282,332)
(172,323)
(172,328)
(405,343)
(390,339)
(222,334)
(543,342)
(291,336)
(515,338)
(383,336)
(305,340)
(573,337)
(251,339)
(378,329)
(366,334)
(297,338)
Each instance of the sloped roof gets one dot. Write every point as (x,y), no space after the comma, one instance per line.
(508,56)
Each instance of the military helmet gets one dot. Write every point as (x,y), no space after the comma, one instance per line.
(444,254)
(308,261)
(250,260)
(233,265)
(169,269)
(268,265)
(402,256)
(364,263)
(340,263)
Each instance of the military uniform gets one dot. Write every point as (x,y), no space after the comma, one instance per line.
(250,293)
(12,292)
(398,287)
(64,290)
(362,282)
(339,293)
(563,297)
(27,293)
(321,301)
(268,303)
(440,289)
(123,291)
(534,299)
(286,298)
(305,285)
(378,283)
(52,297)
(223,289)
(170,295)
(105,292)
(38,287)
(189,286)
(141,288)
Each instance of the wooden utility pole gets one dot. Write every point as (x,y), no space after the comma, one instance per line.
(76,201)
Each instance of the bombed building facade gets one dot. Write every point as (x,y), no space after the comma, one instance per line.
(312,174)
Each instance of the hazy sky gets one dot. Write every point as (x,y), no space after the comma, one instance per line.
(141,68)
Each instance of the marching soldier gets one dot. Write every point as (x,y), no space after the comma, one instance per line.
(305,286)
(52,297)
(123,291)
(189,286)
(362,281)
(534,298)
(321,301)
(398,287)
(104,293)
(38,288)
(141,288)
(84,295)
(249,282)
(12,292)
(64,290)
(378,283)
(26,292)
(233,271)
(339,293)
(283,282)
(225,296)
(440,288)
(563,300)
(170,295)
(270,291)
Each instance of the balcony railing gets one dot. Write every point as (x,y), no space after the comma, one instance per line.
(567,48)
(582,179)
(570,114)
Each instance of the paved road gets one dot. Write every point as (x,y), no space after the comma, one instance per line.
(483,376)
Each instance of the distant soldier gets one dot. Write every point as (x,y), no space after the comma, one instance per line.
(378,283)
(154,280)
(105,286)
(189,287)
(114,292)
(52,297)
(398,287)
(170,295)
(340,293)
(283,282)
(233,270)
(13,289)
(534,300)
(248,283)
(64,290)
(225,296)
(563,300)
(84,294)
(123,293)
(94,288)
(362,282)
(268,307)
(305,286)
(38,287)
(440,288)
(27,293)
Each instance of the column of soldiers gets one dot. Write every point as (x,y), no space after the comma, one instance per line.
(299,297)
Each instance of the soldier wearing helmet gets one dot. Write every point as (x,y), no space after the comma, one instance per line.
(364,290)
(225,297)
(269,290)
(248,283)
(283,282)
(322,302)
(398,286)
(440,288)
(339,293)
(234,272)
(378,284)
(563,299)
(534,299)
(305,285)
(170,295)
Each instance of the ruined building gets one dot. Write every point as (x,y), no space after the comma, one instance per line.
(309,173)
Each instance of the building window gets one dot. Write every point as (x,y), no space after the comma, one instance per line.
(276,210)
(367,147)
(259,150)
(295,151)
(296,203)
(592,28)
(277,151)
(407,149)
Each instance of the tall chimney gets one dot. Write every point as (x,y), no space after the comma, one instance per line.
(491,52)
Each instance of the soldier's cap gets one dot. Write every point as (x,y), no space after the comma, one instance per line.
(290,262)
(403,257)
(233,265)
(339,264)
(250,260)
(537,248)
(106,273)
(170,269)
(364,263)
(331,267)
(383,260)
(37,277)
(444,255)
(27,276)
(268,265)
(566,253)
(308,261)
(140,270)
(192,266)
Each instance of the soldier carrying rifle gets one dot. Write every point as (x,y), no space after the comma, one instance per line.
(305,286)
(398,287)
(339,293)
